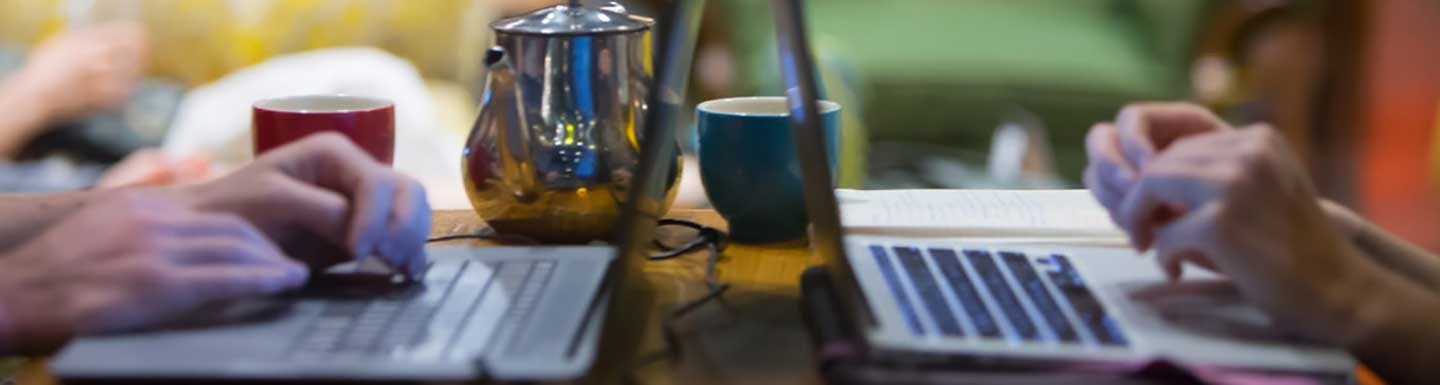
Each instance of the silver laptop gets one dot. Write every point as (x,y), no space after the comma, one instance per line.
(932,300)
(496,313)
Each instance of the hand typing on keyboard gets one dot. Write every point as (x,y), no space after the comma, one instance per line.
(116,260)
(1180,181)
(324,201)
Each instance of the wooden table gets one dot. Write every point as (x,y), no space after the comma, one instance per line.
(757,339)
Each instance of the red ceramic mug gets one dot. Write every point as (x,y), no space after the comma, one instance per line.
(369,122)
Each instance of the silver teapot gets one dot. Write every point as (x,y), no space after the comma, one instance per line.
(556,144)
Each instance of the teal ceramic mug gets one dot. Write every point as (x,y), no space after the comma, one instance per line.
(749,168)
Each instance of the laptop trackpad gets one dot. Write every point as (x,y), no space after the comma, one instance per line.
(1213,308)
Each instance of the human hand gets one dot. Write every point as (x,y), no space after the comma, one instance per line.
(1244,206)
(325,201)
(1118,151)
(129,261)
(85,70)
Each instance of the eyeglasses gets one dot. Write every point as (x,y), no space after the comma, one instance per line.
(700,236)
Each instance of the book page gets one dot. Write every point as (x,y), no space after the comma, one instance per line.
(1058,214)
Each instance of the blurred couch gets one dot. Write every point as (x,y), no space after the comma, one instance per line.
(195,41)
(948,72)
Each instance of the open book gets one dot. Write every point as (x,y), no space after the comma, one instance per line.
(1071,217)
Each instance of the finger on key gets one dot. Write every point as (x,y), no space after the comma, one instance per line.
(409,226)
(1185,240)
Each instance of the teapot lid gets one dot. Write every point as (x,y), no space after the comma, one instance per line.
(571,19)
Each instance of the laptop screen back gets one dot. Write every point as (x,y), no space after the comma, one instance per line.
(802,92)
(676,30)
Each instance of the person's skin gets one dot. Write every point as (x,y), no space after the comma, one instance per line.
(80,72)
(113,260)
(73,73)
(151,167)
(1180,181)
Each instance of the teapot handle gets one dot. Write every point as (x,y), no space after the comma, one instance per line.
(615,6)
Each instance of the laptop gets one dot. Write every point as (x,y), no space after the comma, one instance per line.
(919,301)
(491,313)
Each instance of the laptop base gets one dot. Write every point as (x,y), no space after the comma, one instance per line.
(843,358)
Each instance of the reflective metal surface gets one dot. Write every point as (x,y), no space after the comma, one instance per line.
(572,19)
(555,147)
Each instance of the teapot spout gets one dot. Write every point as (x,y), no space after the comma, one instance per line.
(496,60)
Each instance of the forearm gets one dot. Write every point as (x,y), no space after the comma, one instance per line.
(1402,257)
(26,216)
(10,334)
(25,115)
(1396,332)
(1389,251)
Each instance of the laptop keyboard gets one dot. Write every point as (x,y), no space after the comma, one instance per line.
(995,295)
(381,324)
(1088,309)
(1039,296)
(1000,293)
(928,288)
(970,299)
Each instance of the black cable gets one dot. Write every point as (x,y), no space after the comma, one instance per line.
(715,241)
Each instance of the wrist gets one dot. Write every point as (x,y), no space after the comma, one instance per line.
(18,334)
(1337,283)
(1371,302)
(1361,303)
(31,334)
(1393,332)
(196,197)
